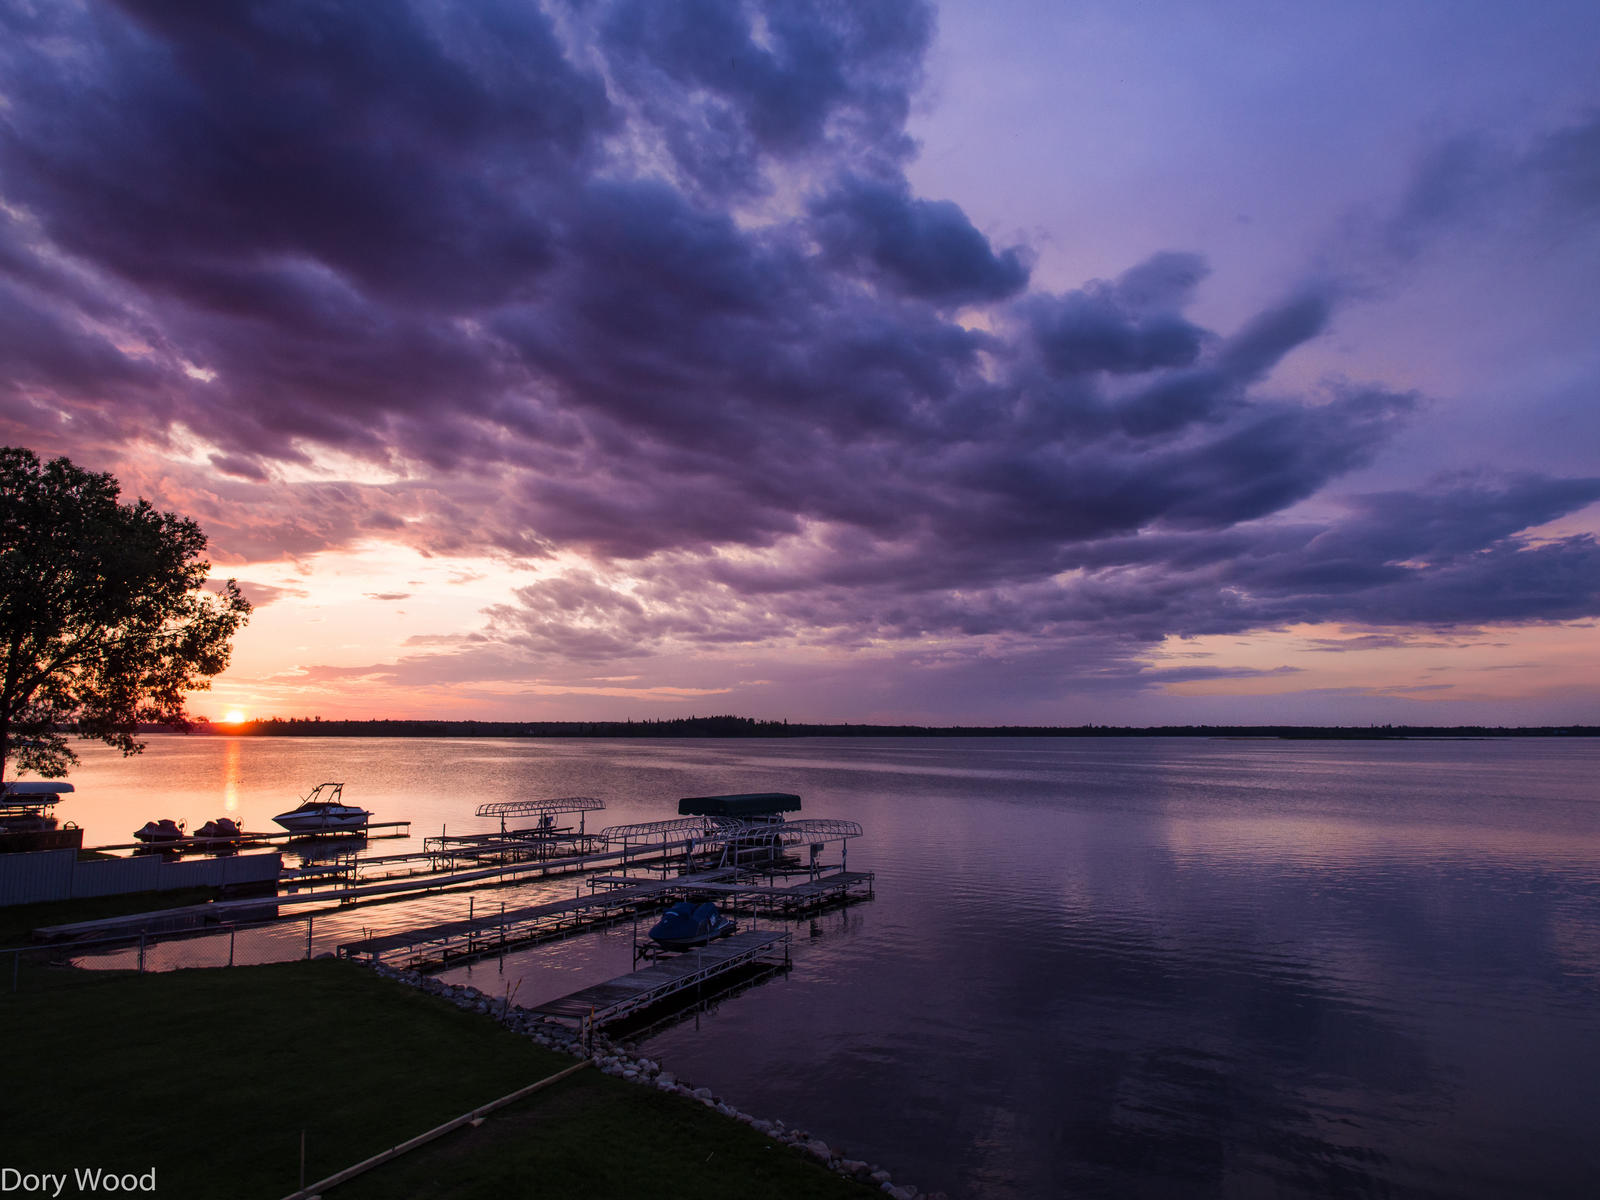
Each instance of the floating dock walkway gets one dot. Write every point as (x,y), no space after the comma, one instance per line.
(438,944)
(435,945)
(638,990)
(837,887)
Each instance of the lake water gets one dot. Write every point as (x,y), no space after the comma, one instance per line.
(1094,967)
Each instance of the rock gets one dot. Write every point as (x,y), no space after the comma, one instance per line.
(630,1075)
(853,1166)
(880,1177)
(666,1079)
(819,1150)
(701,1093)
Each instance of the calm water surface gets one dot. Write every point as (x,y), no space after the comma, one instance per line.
(1094,967)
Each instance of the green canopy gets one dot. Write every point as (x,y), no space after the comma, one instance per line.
(744,804)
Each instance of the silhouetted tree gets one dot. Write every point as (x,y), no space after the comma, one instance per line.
(104,622)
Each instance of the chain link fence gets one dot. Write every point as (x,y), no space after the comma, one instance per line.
(65,964)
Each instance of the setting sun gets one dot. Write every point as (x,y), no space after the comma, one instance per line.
(233,716)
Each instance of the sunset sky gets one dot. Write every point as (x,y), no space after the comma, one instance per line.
(982,363)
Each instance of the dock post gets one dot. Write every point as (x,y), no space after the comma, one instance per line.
(309,920)
(232,929)
(141,952)
(16,965)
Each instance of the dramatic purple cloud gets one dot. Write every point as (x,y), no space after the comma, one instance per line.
(646,288)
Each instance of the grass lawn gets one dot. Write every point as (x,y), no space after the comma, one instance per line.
(210,1076)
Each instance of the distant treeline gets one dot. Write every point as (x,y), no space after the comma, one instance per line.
(748,727)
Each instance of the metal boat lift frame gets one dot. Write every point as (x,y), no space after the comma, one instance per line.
(752,841)
(540,808)
(815,832)
(516,845)
(693,835)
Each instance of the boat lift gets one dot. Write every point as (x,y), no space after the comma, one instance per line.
(718,841)
(545,810)
(812,832)
(703,840)
(27,820)
(661,842)
(515,844)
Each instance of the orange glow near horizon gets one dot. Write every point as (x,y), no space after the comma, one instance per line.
(234,716)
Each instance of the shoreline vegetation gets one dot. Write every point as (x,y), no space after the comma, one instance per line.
(749,727)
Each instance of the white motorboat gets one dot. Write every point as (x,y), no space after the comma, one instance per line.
(324,811)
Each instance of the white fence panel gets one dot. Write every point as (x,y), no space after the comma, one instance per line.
(36,875)
(112,876)
(58,875)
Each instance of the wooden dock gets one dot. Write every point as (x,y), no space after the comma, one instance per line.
(665,978)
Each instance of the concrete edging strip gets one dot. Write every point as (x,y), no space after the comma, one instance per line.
(377,1160)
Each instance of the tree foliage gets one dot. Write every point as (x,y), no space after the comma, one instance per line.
(104,620)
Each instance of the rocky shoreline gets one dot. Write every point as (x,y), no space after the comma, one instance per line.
(620,1059)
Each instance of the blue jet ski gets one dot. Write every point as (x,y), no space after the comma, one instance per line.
(687,924)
